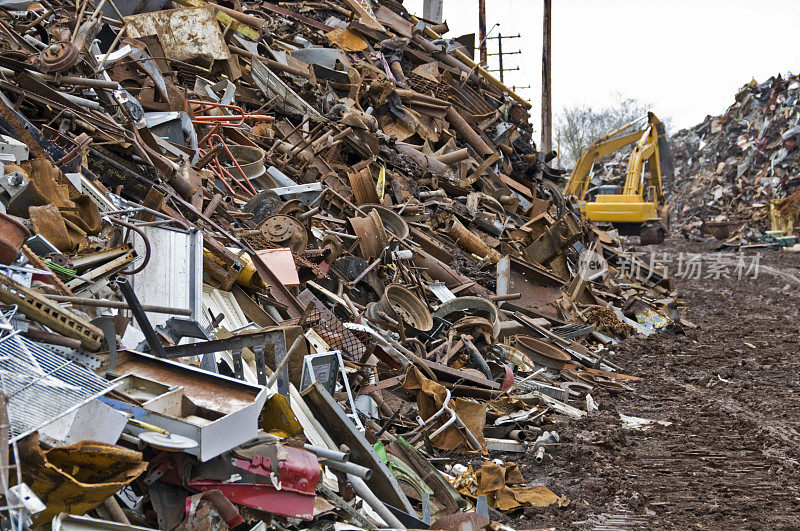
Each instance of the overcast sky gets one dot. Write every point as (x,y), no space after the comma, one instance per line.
(686,57)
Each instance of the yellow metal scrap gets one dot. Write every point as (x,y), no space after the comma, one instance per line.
(75,479)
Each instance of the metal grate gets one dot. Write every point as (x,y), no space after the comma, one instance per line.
(41,385)
(332,330)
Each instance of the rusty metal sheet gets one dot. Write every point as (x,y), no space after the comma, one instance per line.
(539,287)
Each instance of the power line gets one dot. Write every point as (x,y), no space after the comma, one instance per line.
(500,53)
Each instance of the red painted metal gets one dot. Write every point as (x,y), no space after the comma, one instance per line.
(298,475)
(262,496)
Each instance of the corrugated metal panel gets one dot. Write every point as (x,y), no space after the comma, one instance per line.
(222,302)
(174,275)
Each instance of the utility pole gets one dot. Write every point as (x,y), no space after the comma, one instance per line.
(500,53)
(547,113)
(482,31)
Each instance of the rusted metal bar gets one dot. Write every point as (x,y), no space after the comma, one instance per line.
(105,303)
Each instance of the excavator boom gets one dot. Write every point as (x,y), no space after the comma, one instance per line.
(640,203)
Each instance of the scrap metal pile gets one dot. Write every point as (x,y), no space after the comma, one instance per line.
(736,174)
(285,265)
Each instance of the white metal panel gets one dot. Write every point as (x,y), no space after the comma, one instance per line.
(93,421)
(222,302)
(174,275)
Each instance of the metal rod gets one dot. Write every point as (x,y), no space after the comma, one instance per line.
(373,501)
(105,303)
(53,339)
(476,357)
(138,313)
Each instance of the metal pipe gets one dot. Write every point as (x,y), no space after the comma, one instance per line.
(144,324)
(507,297)
(468,133)
(377,505)
(305,215)
(433,417)
(470,241)
(325,453)
(105,303)
(476,357)
(49,337)
(517,435)
(454,156)
(541,455)
(146,241)
(367,270)
(89,104)
(255,22)
(215,201)
(348,467)
(425,161)
(115,511)
(5,432)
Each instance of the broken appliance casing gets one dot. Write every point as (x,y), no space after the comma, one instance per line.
(218,412)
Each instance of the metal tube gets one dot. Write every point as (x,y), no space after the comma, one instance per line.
(105,303)
(446,425)
(215,201)
(414,435)
(256,22)
(138,313)
(517,435)
(325,453)
(5,432)
(466,131)
(470,437)
(146,241)
(541,455)
(49,337)
(89,104)
(305,215)
(348,467)
(477,358)
(470,241)
(377,505)
(454,156)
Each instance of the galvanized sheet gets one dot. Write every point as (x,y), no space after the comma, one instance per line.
(174,275)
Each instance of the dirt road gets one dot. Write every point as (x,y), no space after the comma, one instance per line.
(731,389)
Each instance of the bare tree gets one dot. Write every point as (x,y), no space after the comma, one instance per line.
(579,125)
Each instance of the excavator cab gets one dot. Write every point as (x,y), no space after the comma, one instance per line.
(637,207)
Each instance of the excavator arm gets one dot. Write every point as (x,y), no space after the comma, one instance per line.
(578,183)
(646,149)
(640,203)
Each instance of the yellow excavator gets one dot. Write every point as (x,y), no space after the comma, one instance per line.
(638,207)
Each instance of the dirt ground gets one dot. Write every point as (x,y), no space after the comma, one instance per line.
(730,388)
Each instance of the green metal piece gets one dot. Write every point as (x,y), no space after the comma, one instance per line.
(401,470)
